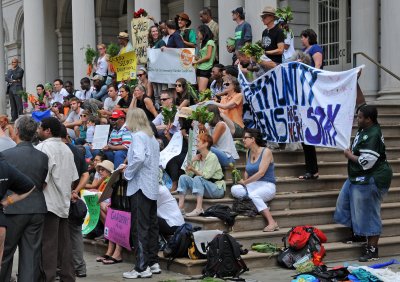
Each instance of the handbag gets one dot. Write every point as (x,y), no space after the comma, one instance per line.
(119,199)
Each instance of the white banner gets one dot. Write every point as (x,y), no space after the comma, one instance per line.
(173,149)
(297,103)
(169,65)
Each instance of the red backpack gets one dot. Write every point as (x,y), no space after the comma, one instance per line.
(298,236)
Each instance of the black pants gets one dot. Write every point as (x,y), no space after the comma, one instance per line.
(144,230)
(164,229)
(16,104)
(310,158)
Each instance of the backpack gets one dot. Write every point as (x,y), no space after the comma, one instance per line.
(303,241)
(244,206)
(324,275)
(223,258)
(178,245)
(223,212)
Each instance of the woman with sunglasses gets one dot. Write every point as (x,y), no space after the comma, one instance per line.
(101,65)
(80,132)
(142,101)
(57,111)
(231,106)
(259,179)
(183,97)
(143,80)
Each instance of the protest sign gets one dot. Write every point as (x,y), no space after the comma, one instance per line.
(169,65)
(140,32)
(93,211)
(297,103)
(125,65)
(117,227)
(100,138)
(109,187)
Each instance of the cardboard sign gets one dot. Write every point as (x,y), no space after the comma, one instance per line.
(125,65)
(140,31)
(117,227)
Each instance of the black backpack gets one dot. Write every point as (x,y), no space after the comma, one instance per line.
(223,258)
(244,206)
(179,243)
(223,212)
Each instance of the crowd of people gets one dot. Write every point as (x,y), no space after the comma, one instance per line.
(63,160)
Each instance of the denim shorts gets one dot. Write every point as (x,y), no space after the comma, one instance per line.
(359,207)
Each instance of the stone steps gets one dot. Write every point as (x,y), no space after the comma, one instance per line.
(285,218)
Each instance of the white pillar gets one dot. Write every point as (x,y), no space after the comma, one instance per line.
(83,34)
(152,7)
(361,10)
(3,103)
(192,9)
(51,41)
(226,27)
(253,9)
(130,9)
(35,44)
(390,87)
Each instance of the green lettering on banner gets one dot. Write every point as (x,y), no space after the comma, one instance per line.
(92,218)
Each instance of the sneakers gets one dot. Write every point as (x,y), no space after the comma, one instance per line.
(134,274)
(195,212)
(370,253)
(155,268)
(355,239)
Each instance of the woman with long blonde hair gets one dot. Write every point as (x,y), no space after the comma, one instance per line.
(141,172)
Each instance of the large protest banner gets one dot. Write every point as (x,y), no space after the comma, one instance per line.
(169,65)
(140,32)
(297,103)
(125,65)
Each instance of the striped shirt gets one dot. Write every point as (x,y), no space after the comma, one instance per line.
(120,137)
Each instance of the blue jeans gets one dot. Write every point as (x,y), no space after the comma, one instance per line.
(223,158)
(359,207)
(199,187)
(117,157)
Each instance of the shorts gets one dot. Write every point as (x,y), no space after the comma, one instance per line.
(359,207)
(203,73)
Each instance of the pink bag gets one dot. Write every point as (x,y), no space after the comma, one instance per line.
(117,228)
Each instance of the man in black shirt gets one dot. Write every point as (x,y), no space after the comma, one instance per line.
(272,37)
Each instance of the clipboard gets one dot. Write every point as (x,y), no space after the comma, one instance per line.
(108,190)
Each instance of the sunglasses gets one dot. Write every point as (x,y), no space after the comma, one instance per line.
(83,115)
(178,85)
(55,106)
(164,99)
(226,84)
(140,75)
(114,119)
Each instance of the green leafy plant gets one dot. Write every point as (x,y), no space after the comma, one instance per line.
(169,114)
(23,94)
(48,87)
(112,49)
(265,247)
(132,83)
(205,95)
(90,54)
(285,13)
(201,115)
(192,92)
(253,50)
(236,175)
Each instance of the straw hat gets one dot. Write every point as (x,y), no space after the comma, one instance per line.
(123,35)
(268,10)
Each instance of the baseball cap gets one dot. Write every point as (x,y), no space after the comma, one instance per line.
(239,10)
(118,114)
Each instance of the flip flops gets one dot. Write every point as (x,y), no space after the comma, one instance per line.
(112,260)
(308,176)
(103,257)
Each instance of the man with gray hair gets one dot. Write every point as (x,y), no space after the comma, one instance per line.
(14,85)
(26,217)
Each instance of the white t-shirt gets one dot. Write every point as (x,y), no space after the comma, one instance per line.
(59,96)
(109,104)
(290,51)
(73,116)
(167,208)
(102,66)
(84,94)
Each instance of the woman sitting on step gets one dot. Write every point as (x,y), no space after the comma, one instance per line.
(259,180)
(203,176)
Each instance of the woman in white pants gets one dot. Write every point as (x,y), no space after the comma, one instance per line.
(259,179)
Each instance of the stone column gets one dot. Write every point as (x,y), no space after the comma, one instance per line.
(390,87)
(35,44)
(193,8)
(3,102)
(83,35)
(361,10)
(51,41)
(253,9)
(226,27)
(130,9)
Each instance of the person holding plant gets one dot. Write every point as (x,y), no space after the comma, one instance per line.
(224,146)
(206,56)
(259,180)
(204,177)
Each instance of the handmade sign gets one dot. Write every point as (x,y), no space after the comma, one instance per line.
(125,65)
(93,211)
(100,138)
(294,102)
(169,65)
(117,227)
(173,149)
(140,32)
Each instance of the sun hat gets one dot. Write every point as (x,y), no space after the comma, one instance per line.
(185,112)
(107,165)
(123,35)
(184,17)
(268,10)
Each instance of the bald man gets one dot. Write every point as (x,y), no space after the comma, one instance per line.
(14,85)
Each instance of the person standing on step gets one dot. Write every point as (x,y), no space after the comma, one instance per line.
(14,85)
(259,180)
(359,203)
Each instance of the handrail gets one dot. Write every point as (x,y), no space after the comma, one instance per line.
(374,62)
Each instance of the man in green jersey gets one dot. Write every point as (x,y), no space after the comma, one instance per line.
(359,202)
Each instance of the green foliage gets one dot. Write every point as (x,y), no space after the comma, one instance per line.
(253,50)
(23,94)
(132,83)
(285,13)
(192,92)
(112,49)
(48,87)
(236,175)
(169,115)
(90,54)
(201,115)
(205,95)
(265,247)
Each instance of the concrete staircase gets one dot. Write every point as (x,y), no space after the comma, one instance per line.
(311,202)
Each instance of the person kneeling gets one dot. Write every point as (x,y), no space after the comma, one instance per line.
(204,177)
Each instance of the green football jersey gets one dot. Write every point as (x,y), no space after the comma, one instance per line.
(369,146)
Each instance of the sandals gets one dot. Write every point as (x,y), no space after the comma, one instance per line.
(309,176)
(103,257)
(271,227)
(112,260)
